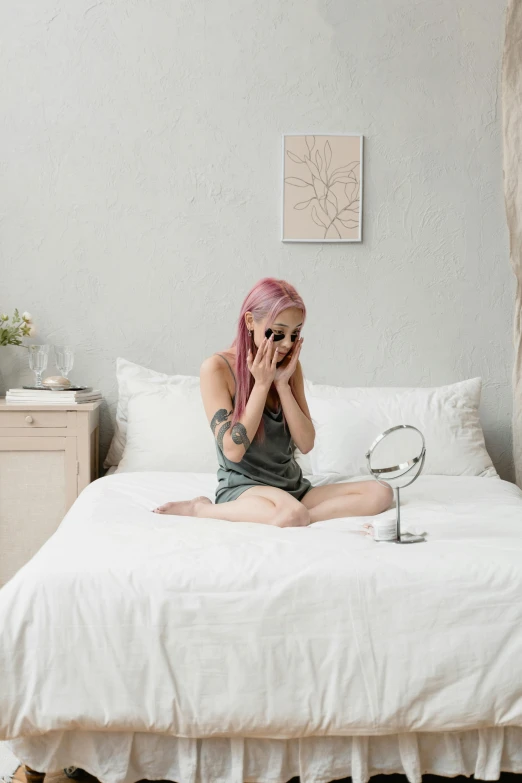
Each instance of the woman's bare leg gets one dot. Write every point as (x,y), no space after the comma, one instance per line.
(348,499)
(267,505)
(248,509)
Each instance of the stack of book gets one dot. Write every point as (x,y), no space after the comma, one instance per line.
(52,396)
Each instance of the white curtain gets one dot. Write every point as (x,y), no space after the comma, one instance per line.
(512,149)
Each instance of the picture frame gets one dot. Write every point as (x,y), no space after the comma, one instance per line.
(322,187)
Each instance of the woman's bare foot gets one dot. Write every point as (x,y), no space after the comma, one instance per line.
(183,508)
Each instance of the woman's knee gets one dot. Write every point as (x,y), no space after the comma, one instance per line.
(293,516)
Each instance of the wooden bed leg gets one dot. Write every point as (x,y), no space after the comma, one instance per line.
(32,776)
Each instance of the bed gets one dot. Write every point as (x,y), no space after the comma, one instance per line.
(136,645)
(244,652)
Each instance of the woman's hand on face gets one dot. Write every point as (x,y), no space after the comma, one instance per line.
(263,365)
(287,367)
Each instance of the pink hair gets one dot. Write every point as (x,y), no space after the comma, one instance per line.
(266,299)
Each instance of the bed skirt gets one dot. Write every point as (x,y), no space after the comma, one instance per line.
(125,757)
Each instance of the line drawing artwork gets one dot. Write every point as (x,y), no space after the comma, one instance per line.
(322,188)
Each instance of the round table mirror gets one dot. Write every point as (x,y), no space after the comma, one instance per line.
(397,458)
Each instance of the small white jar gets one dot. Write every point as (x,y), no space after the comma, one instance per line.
(384,529)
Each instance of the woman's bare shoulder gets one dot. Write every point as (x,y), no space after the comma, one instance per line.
(214,366)
(215,361)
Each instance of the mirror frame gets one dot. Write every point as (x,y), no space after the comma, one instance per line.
(407,465)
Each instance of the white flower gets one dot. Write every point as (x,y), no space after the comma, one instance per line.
(4,317)
(27,317)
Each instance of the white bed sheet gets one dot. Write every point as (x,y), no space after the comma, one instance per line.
(127,622)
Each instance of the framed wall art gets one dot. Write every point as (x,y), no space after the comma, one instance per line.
(322,187)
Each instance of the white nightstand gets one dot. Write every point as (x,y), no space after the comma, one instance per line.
(48,454)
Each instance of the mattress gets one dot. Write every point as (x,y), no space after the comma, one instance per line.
(128,622)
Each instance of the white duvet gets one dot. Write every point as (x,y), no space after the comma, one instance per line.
(126,620)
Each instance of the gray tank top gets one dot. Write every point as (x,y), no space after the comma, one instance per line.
(269,463)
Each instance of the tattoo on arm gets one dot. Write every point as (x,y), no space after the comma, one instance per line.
(218,417)
(239,435)
(221,434)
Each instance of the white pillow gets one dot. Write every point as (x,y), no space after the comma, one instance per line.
(167,427)
(347,421)
(127,374)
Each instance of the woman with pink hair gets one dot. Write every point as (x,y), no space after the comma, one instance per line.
(253,394)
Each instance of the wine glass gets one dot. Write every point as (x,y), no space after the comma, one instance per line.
(38,355)
(64,359)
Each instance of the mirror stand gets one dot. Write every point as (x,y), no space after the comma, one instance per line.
(404,538)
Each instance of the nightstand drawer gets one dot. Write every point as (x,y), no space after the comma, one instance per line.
(32,419)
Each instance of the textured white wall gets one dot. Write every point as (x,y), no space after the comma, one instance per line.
(140,194)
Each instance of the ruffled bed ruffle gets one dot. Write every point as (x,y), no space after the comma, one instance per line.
(125,757)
